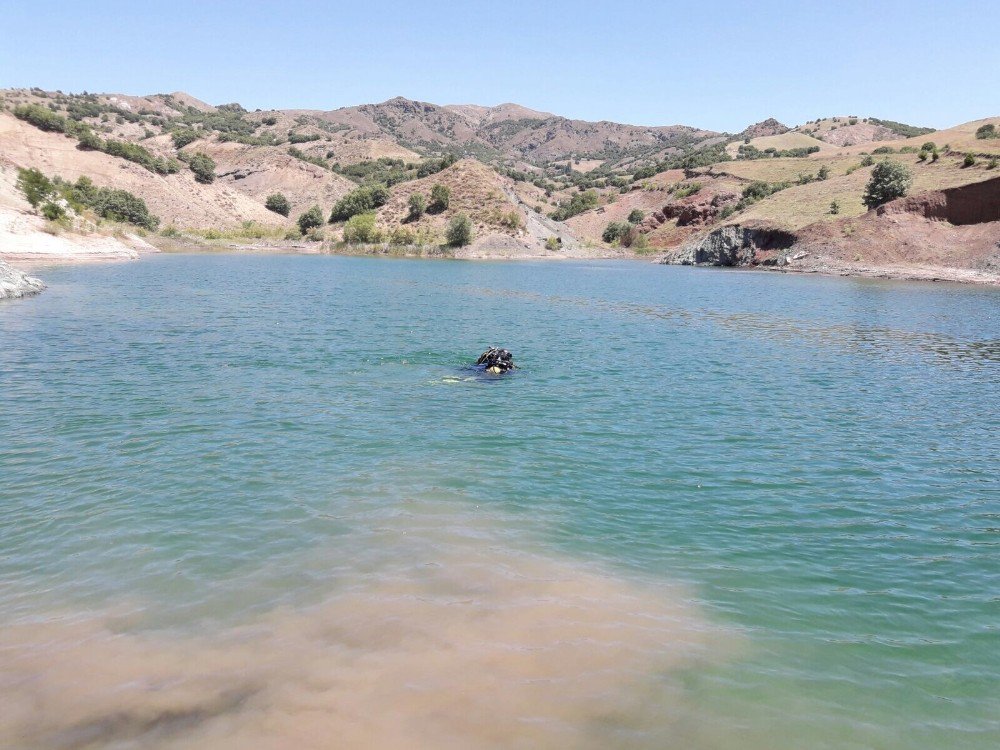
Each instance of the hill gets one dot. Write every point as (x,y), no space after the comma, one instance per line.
(523,176)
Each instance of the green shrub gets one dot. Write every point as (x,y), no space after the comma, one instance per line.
(614,231)
(922,156)
(756,190)
(868,160)
(402,236)
(928,146)
(889,180)
(440,198)
(121,205)
(278,203)
(635,216)
(553,243)
(834,207)
(53,211)
(459,231)
(685,190)
(992,164)
(883,150)
(989,130)
(935,155)
(35,186)
(418,204)
(361,228)
(203,167)
(310,219)
(41,117)
(968,161)
(360,201)
(183,137)
(823,173)
(579,203)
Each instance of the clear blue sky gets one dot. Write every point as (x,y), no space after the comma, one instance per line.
(717,64)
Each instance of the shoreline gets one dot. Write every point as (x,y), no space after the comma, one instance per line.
(21,261)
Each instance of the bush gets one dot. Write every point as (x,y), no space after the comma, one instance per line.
(364,199)
(922,156)
(402,236)
(868,160)
(35,186)
(579,203)
(685,190)
(418,204)
(553,243)
(889,180)
(823,173)
(968,161)
(935,155)
(928,146)
(121,205)
(440,198)
(635,216)
(756,190)
(41,117)
(614,231)
(183,137)
(834,207)
(278,203)
(310,219)
(459,231)
(882,150)
(361,228)
(53,211)
(983,132)
(992,163)
(203,167)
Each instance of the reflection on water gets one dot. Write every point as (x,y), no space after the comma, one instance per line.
(445,637)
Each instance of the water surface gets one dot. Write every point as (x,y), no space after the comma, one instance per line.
(257,501)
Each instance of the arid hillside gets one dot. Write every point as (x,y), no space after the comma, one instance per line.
(528,181)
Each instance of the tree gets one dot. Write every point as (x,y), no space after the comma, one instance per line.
(969,160)
(278,203)
(889,180)
(988,130)
(635,216)
(459,231)
(823,173)
(203,167)
(362,200)
(834,207)
(440,198)
(310,219)
(614,231)
(418,204)
(35,186)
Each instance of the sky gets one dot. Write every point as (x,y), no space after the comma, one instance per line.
(719,65)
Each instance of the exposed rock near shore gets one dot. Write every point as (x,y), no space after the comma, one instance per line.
(732,245)
(14,284)
(951,234)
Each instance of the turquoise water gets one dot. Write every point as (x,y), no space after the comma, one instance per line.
(257,502)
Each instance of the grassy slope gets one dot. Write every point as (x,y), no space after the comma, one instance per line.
(476,190)
(804,204)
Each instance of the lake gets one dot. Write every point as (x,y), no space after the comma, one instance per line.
(261,501)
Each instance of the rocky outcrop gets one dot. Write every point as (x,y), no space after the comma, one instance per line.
(14,284)
(732,245)
(767,127)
